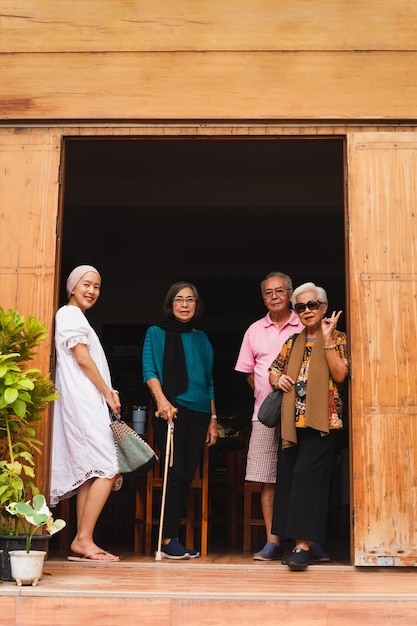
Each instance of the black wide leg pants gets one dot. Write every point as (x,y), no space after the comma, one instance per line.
(190,432)
(302,490)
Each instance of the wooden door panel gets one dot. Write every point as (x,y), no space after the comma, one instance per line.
(29,184)
(382,194)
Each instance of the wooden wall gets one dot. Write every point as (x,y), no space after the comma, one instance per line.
(211,59)
(29,177)
(179,67)
(382,197)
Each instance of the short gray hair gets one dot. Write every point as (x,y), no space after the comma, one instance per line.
(288,280)
(320,292)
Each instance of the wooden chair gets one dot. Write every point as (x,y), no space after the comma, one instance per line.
(226,489)
(197,506)
(252,512)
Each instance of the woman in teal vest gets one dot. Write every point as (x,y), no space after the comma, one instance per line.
(177,366)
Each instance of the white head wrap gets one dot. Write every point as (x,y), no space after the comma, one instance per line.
(76,276)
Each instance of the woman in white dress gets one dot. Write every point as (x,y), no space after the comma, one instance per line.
(84,457)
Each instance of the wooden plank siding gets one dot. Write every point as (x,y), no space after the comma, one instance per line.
(382,171)
(187,86)
(178,68)
(383,318)
(207,25)
(172,59)
(29,172)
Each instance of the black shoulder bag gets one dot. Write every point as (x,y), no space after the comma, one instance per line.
(269,413)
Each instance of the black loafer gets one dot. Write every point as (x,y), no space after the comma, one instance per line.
(299,559)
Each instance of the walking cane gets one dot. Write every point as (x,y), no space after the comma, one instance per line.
(169,451)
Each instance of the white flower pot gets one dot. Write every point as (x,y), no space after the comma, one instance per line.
(26,567)
(18,542)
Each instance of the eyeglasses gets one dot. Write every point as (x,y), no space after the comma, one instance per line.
(188,300)
(313,305)
(269,293)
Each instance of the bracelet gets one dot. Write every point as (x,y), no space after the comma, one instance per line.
(332,347)
(274,383)
(115,391)
(214,417)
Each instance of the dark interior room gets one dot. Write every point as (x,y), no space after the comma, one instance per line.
(221,213)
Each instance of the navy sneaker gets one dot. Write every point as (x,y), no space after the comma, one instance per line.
(174,550)
(318,553)
(193,553)
(299,559)
(270,552)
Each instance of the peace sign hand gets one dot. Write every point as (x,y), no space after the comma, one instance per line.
(328,325)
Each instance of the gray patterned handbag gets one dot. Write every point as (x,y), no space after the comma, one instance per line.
(134,453)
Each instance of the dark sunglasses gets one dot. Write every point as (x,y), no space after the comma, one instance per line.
(313,305)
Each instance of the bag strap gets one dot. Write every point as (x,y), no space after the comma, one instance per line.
(294,337)
(113,415)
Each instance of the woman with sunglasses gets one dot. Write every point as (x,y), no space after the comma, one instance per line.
(310,370)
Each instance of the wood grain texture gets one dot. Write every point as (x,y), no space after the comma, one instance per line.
(207,25)
(29,190)
(29,166)
(187,85)
(381,276)
(212,592)
(173,59)
(383,273)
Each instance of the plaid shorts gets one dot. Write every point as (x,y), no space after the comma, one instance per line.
(261,464)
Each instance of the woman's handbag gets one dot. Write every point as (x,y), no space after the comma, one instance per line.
(269,413)
(134,454)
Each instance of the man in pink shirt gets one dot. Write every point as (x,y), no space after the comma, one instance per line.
(261,344)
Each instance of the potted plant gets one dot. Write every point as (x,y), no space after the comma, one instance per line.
(24,394)
(26,565)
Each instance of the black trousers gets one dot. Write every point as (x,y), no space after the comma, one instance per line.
(302,490)
(190,431)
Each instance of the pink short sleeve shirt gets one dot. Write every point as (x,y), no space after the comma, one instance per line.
(261,343)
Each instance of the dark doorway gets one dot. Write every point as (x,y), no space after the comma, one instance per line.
(219,212)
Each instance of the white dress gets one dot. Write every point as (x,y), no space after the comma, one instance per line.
(82,443)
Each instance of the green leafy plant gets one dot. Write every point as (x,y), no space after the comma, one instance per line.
(37,515)
(24,394)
